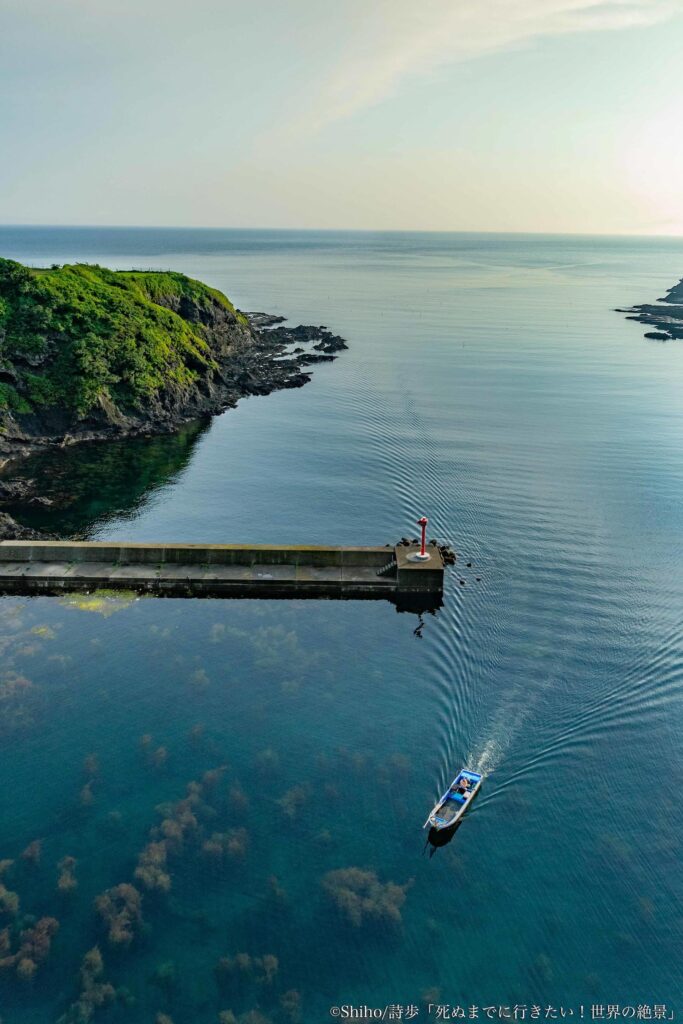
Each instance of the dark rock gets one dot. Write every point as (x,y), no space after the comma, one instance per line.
(666,316)
(14,491)
(264,320)
(10,529)
(314,357)
(321,339)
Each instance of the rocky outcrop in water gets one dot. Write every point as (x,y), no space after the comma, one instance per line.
(324,346)
(10,529)
(666,316)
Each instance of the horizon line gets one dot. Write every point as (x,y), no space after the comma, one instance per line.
(369,231)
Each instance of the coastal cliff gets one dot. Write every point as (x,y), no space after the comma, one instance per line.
(88,353)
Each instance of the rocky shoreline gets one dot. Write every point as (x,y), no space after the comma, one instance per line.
(258,357)
(665,316)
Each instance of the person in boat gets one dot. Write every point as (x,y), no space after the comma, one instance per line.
(463,786)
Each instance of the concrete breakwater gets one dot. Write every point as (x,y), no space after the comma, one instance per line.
(223,570)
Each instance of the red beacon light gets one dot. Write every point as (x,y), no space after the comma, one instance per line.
(422,555)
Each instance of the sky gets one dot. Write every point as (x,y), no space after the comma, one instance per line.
(473,115)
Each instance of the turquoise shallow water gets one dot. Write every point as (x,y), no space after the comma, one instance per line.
(489,384)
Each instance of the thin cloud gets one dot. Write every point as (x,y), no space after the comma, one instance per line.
(396,39)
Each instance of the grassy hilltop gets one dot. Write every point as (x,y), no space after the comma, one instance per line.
(78,336)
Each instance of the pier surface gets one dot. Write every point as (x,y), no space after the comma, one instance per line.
(221,570)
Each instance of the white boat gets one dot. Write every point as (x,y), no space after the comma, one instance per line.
(455,801)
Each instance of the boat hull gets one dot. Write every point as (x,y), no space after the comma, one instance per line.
(453,805)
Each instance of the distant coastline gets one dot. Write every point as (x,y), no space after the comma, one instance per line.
(665,316)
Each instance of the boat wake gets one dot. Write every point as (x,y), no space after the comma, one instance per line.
(487,760)
(506,726)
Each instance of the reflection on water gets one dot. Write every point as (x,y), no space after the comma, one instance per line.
(89,484)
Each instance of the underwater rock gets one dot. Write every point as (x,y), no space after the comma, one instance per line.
(33,950)
(16,693)
(291,1005)
(359,896)
(66,881)
(267,762)
(211,778)
(151,869)
(269,965)
(91,766)
(9,901)
(159,758)
(231,844)
(238,800)
(86,797)
(197,732)
(120,909)
(10,529)
(199,680)
(261,969)
(276,893)
(293,801)
(94,992)
(166,975)
(26,969)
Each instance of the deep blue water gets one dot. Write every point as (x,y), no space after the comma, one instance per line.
(489,384)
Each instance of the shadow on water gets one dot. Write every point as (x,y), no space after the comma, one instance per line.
(436,838)
(91,483)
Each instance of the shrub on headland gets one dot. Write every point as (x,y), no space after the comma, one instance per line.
(79,335)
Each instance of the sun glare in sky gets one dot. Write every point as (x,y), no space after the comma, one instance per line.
(501,115)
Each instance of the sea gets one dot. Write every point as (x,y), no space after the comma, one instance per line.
(256,774)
